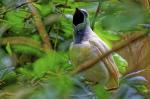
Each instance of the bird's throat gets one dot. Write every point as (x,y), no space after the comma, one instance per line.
(79,36)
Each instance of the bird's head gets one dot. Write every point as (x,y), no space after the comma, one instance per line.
(80,19)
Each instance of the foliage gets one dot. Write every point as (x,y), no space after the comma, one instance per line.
(28,71)
(132,87)
(122,17)
(121,63)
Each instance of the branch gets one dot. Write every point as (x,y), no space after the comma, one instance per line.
(135,73)
(96,14)
(62,6)
(88,64)
(145,3)
(10,9)
(21,40)
(40,27)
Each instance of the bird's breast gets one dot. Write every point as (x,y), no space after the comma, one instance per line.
(80,53)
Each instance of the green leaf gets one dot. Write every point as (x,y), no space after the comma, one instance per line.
(142,88)
(57,88)
(25,72)
(121,63)
(4,26)
(8,49)
(101,93)
(66,27)
(103,38)
(106,36)
(15,20)
(132,85)
(36,37)
(110,36)
(49,62)
(137,80)
(27,50)
(44,9)
(9,75)
(120,16)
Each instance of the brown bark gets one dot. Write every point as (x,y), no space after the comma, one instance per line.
(40,27)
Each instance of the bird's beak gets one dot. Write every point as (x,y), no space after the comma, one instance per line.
(78,17)
(78,10)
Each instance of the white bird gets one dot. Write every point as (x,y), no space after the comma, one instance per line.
(86,46)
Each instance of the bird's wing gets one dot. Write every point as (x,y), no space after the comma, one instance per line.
(80,53)
(109,62)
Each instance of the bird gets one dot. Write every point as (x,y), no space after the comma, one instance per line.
(86,46)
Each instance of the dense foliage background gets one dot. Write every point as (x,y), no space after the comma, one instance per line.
(35,37)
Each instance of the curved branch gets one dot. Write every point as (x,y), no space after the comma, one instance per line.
(21,40)
(88,64)
(40,26)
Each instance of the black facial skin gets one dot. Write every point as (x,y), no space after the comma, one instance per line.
(78,17)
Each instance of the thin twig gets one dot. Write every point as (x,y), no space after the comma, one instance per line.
(88,64)
(135,73)
(96,14)
(40,26)
(10,9)
(62,6)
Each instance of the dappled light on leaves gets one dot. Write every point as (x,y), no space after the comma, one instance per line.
(121,16)
(35,38)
